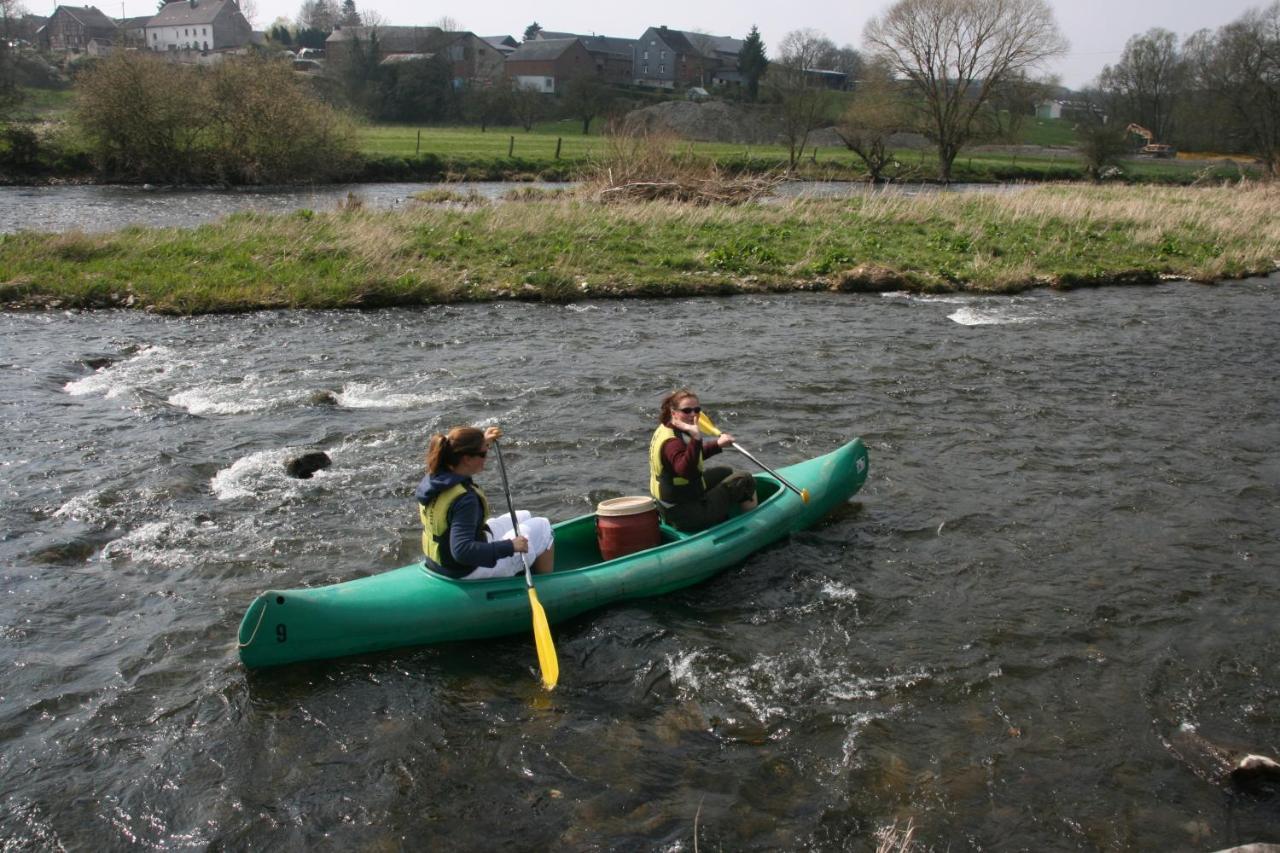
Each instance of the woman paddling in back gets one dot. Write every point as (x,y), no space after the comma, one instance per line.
(459,539)
(690,496)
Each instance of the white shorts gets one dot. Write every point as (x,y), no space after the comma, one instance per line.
(536,530)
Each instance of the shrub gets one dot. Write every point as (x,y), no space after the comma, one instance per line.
(246,121)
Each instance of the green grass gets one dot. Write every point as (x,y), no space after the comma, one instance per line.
(1049,131)
(568,248)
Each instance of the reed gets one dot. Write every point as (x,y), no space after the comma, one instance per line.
(571,247)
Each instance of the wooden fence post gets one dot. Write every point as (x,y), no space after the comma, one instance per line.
(417,149)
(511,147)
(558,147)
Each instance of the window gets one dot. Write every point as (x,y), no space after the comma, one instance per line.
(204,31)
(662,54)
(662,69)
(646,54)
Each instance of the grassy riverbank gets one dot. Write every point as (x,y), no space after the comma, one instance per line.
(568,248)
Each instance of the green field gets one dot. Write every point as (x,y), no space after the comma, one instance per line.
(468,152)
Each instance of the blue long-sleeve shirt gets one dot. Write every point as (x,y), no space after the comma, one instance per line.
(465,517)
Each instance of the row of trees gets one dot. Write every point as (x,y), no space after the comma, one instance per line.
(954,70)
(1216,90)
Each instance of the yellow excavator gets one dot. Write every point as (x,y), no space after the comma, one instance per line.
(1151,148)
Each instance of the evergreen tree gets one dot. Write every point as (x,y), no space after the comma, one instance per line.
(531,31)
(752,62)
(349,17)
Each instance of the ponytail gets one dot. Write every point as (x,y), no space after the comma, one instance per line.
(446,450)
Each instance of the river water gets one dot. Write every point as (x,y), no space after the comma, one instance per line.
(1061,572)
(107,207)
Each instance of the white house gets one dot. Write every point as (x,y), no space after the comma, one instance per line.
(198,25)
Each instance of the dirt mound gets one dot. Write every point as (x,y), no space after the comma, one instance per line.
(741,124)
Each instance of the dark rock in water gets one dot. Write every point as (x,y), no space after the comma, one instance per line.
(323,398)
(307,464)
(1215,763)
(1256,773)
(98,362)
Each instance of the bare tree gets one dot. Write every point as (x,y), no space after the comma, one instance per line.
(957,53)
(585,97)
(448,24)
(804,104)
(878,111)
(1147,81)
(528,105)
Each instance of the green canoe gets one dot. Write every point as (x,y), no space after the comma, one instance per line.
(413,606)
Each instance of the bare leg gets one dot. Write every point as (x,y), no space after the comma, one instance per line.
(545,563)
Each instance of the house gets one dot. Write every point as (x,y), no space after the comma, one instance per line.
(71,28)
(669,59)
(614,57)
(469,56)
(133,31)
(823,78)
(203,25)
(503,44)
(545,65)
(1049,109)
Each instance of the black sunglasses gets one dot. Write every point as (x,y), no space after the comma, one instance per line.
(692,410)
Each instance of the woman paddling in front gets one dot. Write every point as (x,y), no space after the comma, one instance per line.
(691,497)
(458,537)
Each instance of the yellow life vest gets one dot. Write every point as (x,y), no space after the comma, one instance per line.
(435,524)
(663,482)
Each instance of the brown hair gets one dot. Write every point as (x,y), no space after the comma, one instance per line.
(669,403)
(446,450)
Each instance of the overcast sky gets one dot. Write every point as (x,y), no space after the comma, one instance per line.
(1097,29)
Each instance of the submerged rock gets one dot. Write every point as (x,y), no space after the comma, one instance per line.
(302,467)
(323,398)
(1245,770)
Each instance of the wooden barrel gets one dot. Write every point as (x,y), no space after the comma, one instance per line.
(626,525)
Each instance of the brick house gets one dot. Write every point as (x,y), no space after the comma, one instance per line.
(469,56)
(71,28)
(203,25)
(614,57)
(545,65)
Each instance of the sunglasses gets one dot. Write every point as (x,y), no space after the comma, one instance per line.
(691,410)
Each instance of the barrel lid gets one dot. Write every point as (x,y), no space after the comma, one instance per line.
(629,505)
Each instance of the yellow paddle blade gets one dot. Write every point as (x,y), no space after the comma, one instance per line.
(542,639)
(705,424)
(804,495)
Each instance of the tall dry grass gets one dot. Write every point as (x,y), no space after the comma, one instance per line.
(635,165)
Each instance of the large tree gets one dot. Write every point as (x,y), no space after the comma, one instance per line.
(752,62)
(958,53)
(1239,67)
(804,103)
(1146,83)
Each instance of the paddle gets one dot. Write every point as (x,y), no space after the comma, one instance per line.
(705,424)
(541,630)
